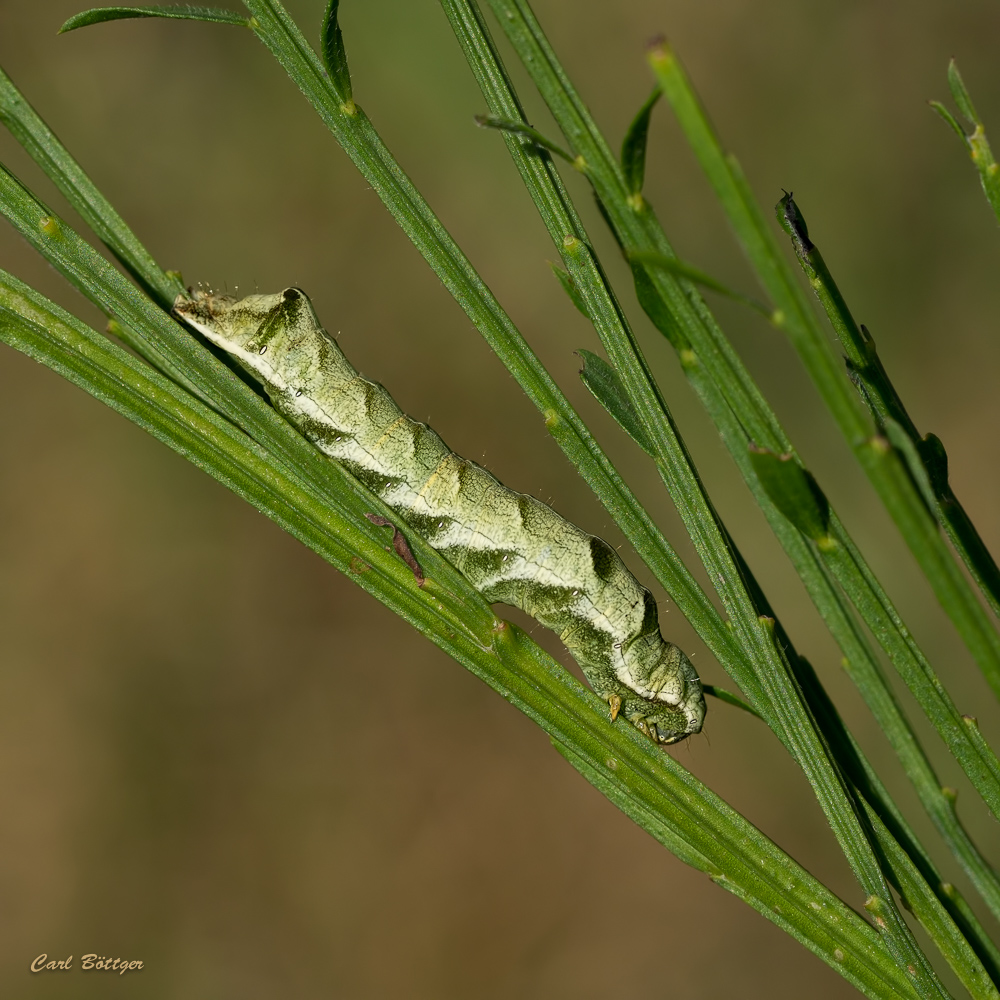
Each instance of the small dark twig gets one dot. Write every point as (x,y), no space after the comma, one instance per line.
(401,546)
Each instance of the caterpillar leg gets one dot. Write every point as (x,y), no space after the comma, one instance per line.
(661,722)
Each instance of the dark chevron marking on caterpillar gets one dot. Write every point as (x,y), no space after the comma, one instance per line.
(511,547)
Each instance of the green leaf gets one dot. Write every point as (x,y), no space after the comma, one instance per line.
(522,128)
(935,458)
(653,305)
(334,54)
(793,491)
(950,119)
(960,94)
(603,381)
(634,144)
(729,698)
(569,287)
(185,12)
(679,269)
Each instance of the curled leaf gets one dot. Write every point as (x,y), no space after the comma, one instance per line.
(184,12)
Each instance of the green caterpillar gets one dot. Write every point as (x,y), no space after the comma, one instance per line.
(511,547)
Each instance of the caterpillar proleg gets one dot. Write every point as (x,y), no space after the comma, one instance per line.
(511,547)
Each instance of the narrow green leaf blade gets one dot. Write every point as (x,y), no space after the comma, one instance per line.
(793,491)
(960,94)
(603,381)
(334,53)
(522,128)
(185,12)
(634,144)
(654,306)
(782,909)
(714,691)
(951,120)
(681,269)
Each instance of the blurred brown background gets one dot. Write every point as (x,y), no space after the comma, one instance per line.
(220,757)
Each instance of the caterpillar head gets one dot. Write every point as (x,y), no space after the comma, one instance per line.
(245,327)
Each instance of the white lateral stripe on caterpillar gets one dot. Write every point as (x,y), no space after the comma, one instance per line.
(511,547)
